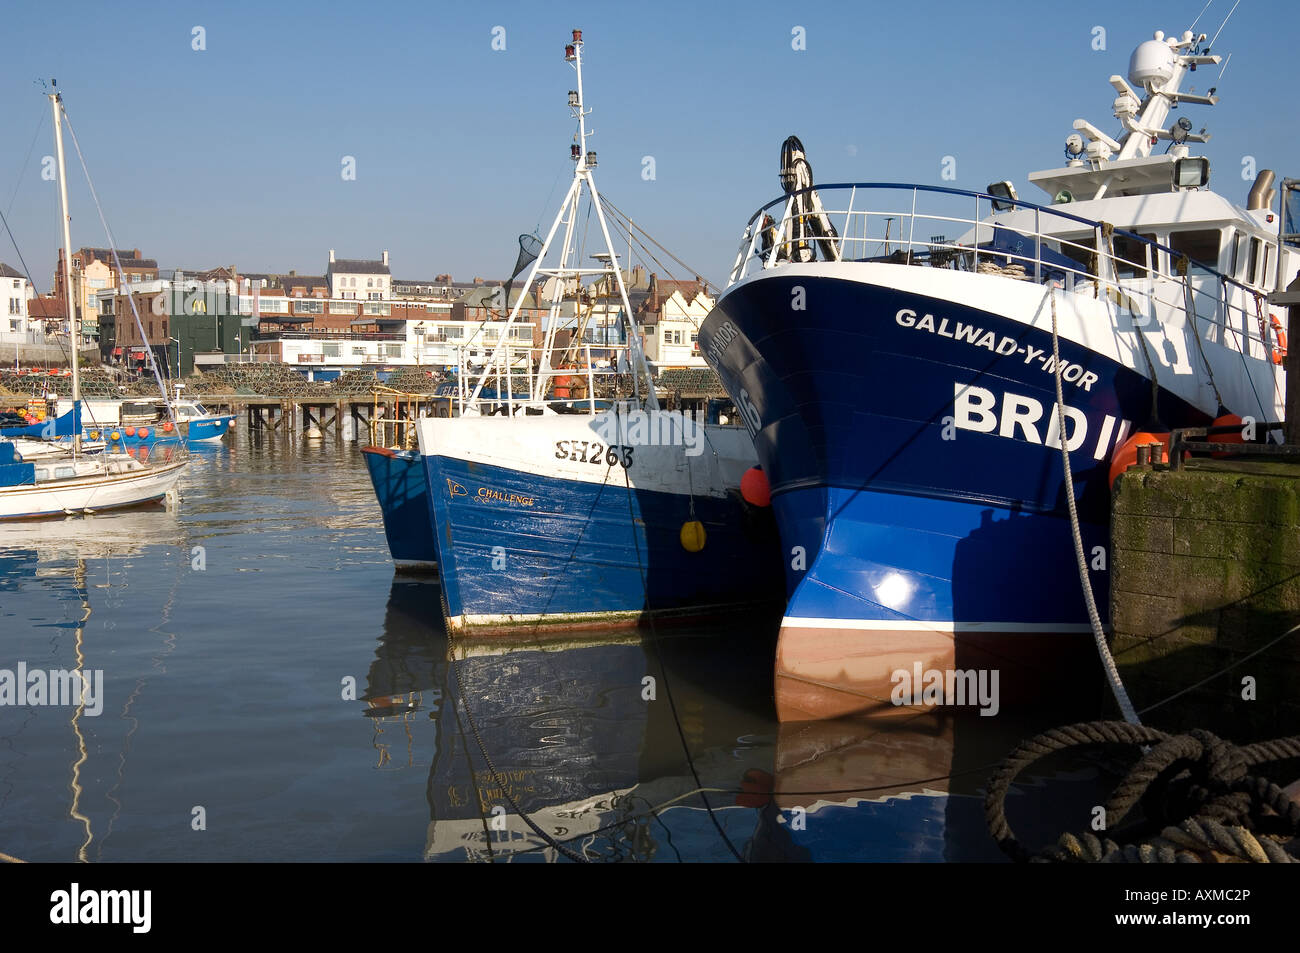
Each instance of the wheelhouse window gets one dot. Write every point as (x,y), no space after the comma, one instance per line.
(1200,245)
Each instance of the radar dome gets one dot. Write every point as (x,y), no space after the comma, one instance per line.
(1152,64)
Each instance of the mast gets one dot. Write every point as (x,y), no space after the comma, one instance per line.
(74,323)
(567,216)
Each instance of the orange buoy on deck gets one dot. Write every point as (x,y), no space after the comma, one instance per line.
(1227,420)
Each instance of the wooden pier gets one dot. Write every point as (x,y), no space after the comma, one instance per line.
(346,419)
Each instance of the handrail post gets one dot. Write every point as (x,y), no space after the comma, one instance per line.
(1038,246)
(911,227)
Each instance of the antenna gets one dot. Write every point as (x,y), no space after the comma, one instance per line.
(1221,72)
(1201,14)
(1225,22)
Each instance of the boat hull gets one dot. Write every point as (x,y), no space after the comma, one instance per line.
(193,430)
(912,442)
(89,495)
(533,531)
(399,481)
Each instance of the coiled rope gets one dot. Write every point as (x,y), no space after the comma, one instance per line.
(1196,790)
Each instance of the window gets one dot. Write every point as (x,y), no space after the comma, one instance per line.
(342,307)
(358,351)
(375,308)
(1252,261)
(1201,246)
(1131,256)
(330,349)
(370,282)
(308,307)
(392,350)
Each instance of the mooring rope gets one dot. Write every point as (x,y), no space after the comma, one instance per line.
(1196,791)
(1098,634)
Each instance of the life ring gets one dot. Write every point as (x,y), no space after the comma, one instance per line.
(1279,349)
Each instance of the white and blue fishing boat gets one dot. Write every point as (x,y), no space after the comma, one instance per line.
(143,423)
(554,511)
(898,352)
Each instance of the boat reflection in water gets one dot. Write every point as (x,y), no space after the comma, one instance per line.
(68,559)
(563,733)
(576,734)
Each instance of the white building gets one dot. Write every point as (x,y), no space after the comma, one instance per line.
(16,325)
(354,279)
(672,340)
(437,344)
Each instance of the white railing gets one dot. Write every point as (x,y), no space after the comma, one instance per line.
(911,225)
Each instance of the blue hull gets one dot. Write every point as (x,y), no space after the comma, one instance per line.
(192,431)
(518,550)
(400,487)
(917,463)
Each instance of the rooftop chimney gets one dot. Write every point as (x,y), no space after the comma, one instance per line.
(331,256)
(385,258)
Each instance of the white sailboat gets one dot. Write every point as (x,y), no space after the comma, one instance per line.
(76,482)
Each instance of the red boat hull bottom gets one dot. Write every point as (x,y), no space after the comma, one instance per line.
(835,669)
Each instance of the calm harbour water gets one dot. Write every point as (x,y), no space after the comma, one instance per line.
(230,632)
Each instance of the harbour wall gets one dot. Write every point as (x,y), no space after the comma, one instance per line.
(1205,574)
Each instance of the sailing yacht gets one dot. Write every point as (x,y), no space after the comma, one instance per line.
(76,482)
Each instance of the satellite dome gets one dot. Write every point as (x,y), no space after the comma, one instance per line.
(1152,64)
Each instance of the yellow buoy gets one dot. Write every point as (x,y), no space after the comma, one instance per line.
(693,536)
(115,435)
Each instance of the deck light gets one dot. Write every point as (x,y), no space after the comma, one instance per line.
(573,98)
(575,152)
(1005,192)
(568,53)
(591,160)
(577,36)
(1191,172)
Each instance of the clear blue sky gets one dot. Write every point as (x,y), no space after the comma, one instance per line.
(232,155)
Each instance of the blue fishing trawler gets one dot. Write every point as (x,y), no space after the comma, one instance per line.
(401,489)
(939,414)
(562,510)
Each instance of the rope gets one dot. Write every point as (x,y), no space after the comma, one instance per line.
(1108,232)
(663,670)
(112,244)
(1196,791)
(1099,636)
(1189,304)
